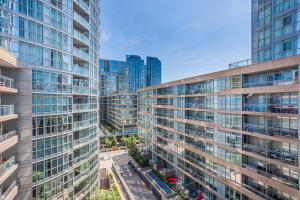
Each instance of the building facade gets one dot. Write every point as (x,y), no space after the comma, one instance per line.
(275,29)
(232,134)
(58,40)
(153,67)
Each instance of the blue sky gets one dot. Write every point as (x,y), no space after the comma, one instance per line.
(190,37)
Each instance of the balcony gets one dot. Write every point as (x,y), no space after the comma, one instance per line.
(8,140)
(271,131)
(81,22)
(80,70)
(7,85)
(7,168)
(81,38)
(84,7)
(80,54)
(11,192)
(274,108)
(258,191)
(272,154)
(7,59)
(275,175)
(81,107)
(195,105)
(265,83)
(81,124)
(7,112)
(81,90)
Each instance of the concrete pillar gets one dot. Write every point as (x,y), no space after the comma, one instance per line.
(23,107)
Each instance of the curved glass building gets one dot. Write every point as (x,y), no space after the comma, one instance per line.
(58,40)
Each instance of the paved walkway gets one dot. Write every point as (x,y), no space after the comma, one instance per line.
(135,184)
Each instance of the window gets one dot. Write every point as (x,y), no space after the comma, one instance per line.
(287,20)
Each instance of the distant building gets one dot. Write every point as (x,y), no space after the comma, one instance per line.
(113,77)
(137,73)
(119,82)
(153,71)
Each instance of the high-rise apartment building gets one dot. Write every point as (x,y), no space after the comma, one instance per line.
(136,72)
(232,134)
(58,40)
(153,74)
(275,29)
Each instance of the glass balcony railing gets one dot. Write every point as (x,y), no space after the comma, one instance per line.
(81,107)
(83,5)
(81,70)
(7,110)
(81,53)
(84,22)
(81,90)
(7,82)
(7,165)
(81,37)
(81,124)
(7,136)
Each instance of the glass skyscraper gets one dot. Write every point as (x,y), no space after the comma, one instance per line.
(153,66)
(137,73)
(275,29)
(58,40)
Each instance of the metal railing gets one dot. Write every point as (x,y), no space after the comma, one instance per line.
(81,53)
(272,154)
(81,36)
(273,176)
(7,110)
(241,63)
(7,165)
(7,136)
(7,82)
(252,189)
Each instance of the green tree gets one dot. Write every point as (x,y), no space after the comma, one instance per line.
(107,142)
(114,141)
